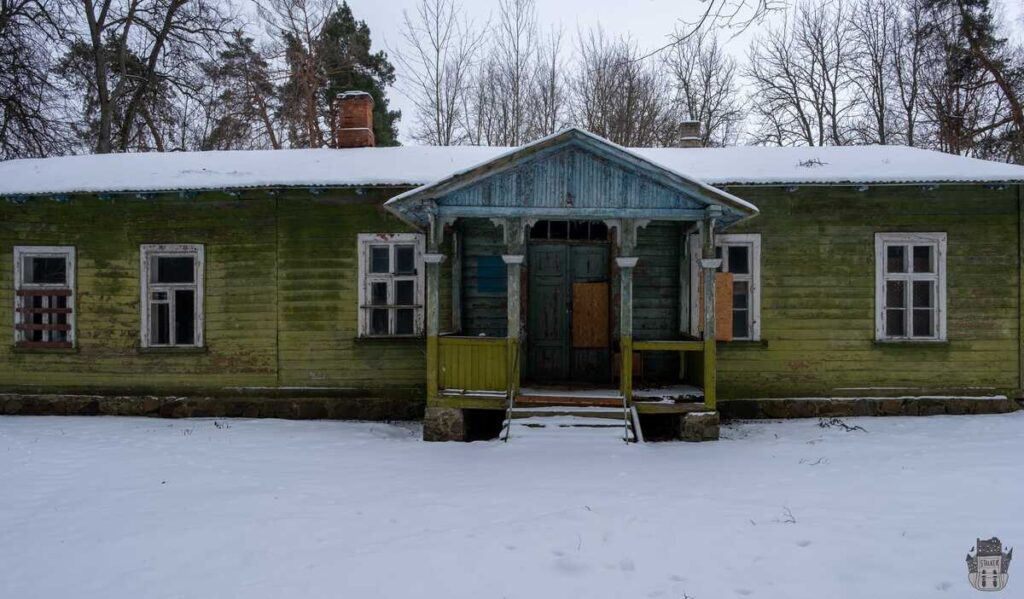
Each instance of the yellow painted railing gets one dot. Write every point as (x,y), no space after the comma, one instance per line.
(473,363)
(705,350)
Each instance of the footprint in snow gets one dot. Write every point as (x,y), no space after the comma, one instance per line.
(568,565)
(627,565)
(945,585)
(803,543)
(744,592)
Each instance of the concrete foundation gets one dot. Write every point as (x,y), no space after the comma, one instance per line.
(444,424)
(699,426)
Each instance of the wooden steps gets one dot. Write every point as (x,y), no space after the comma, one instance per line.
(569,412)
(570,427)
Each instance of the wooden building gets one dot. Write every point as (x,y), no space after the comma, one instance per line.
(467,284)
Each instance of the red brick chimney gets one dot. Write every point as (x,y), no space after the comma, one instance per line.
(353,114)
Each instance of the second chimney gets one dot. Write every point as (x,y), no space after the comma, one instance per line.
(353,113)
(689,134)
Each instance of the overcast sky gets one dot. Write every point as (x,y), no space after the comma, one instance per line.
(649,22)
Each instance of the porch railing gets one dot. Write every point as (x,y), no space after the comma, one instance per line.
(705,352)
(473,363)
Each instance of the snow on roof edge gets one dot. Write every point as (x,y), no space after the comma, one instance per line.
(418,166)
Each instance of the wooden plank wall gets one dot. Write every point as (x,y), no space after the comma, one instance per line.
(281,293)
(319,345)
(241,304)
(656,295)
(484,306)
(817,304)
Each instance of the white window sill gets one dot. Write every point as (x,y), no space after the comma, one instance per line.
(911,341)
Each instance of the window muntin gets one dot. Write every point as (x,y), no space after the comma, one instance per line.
(910,286)
(741,256)
(44,301)
(390,285)
(565,230)
(172,295)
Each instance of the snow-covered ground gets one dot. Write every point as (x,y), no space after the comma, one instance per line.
(132,508)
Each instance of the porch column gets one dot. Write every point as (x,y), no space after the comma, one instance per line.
(514,266)
(708,266)
(433,259)
(514,257)
(626,262)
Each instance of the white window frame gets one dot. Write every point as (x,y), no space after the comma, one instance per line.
(146,253)
(938,242)
(44,251)
(751,240)
(366,278)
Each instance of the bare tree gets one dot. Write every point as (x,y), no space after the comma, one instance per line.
(800,76)
(732,16)
(707,87)
(550,95)
(874,25)
(908,37)
(29,98)
(617,96)
(141,52)
(437,58)
(515,52)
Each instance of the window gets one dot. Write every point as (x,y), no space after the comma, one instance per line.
(741,256)
(572,230)
(910,286)
(390,285)
(172,295)
(44,302)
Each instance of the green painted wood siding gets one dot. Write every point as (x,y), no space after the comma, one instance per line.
(282,277)
(484,311)
(656,296)
(281,293)
(817,303)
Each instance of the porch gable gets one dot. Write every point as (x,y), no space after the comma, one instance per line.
(570,175)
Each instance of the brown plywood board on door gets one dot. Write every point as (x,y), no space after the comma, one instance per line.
(723,305)
(590,315)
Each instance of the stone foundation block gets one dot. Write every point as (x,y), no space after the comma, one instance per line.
(444,424)
(700,426)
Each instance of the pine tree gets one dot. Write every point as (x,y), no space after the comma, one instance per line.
(242,105)
(348,64)
(983,49)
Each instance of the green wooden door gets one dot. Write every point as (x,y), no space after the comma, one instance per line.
(553,269)
(548,313)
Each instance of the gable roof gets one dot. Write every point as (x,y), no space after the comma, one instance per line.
(419,165)
(539,178)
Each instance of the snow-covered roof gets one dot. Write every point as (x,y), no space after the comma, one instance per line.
(420,165)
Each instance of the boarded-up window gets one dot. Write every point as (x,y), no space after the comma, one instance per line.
(491,275)
(44,314)
(741,258)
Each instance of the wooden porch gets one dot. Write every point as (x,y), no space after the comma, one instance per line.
(475,373)
(601,197)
